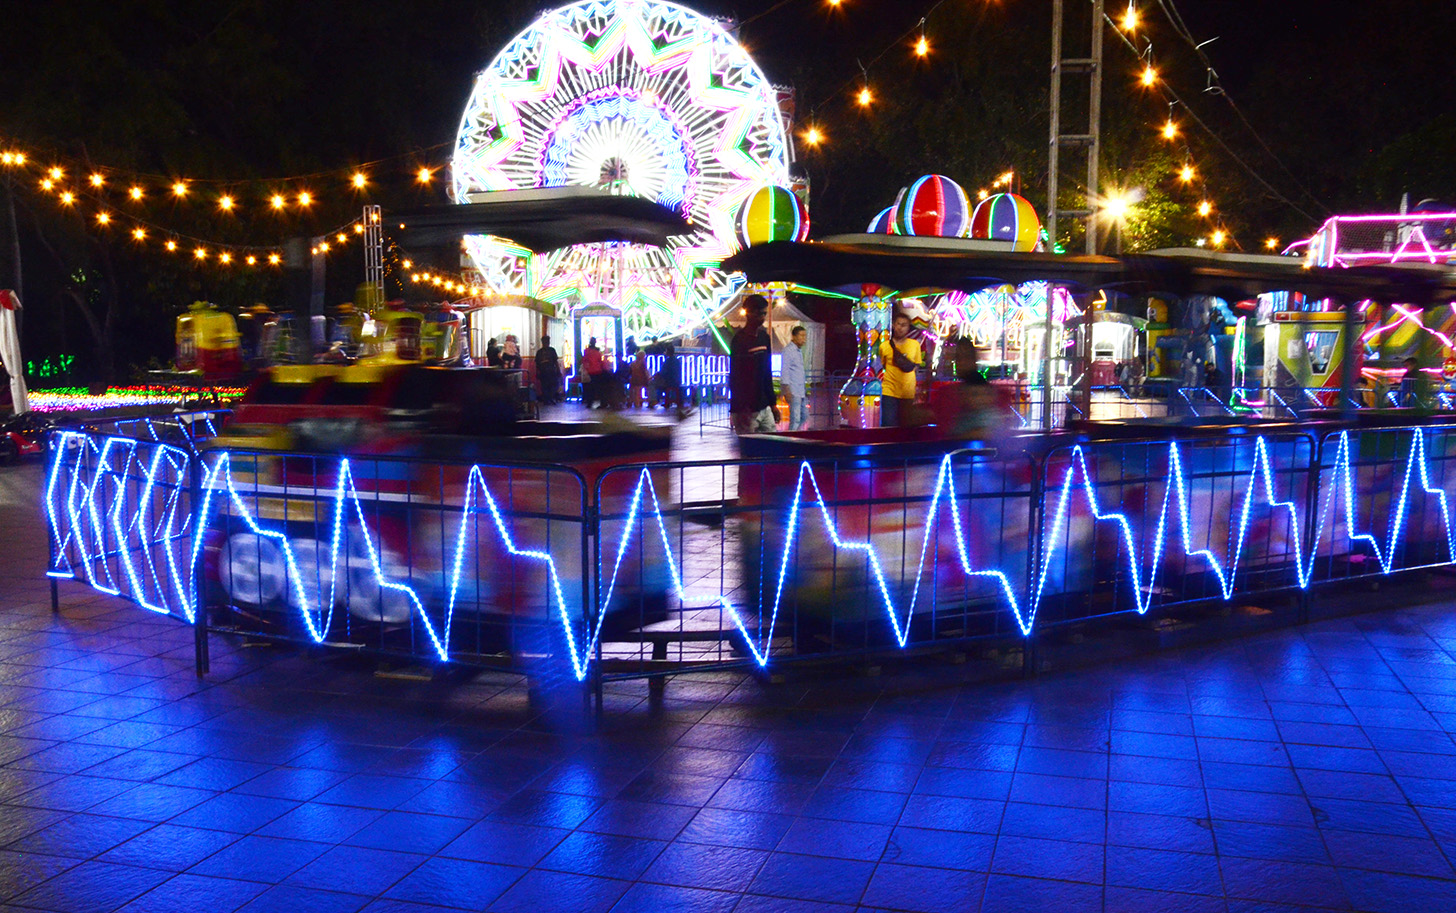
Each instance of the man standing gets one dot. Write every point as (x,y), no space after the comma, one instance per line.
(750,372)
(901,355)
(594,366)
(548,371)
(792,380)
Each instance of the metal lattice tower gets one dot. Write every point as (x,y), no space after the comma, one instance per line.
(1091,141)
(374,255)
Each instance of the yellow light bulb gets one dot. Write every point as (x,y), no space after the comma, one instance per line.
(1130,18)
(1149,77)
(343,238)
(200,253)
(865,97)
(136,192)
(56,173)
(1186,173)
(277,201)
(275,259)
(225,203)
(19,158)
(305,199)
(424,175)
(323,247)
(180,189)
(98,180)
(359,180)
(68,198)
(139,233)
(46,183)
(103,218)
(251,260)
(358,229)
(225,259)
(1205,208)
(922,47)
(171,245)
(1271,243)
(813,136)
(1170,129)
(1218,238)
(407,264)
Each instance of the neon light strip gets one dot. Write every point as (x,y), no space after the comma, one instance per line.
(582,645)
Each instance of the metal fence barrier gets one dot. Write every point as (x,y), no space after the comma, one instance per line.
(644,569)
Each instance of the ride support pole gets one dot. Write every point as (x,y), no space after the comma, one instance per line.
(201,654)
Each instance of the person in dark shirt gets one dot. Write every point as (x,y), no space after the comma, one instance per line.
(548,371)
(750,373)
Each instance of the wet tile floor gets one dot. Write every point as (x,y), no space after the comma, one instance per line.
(1311,768)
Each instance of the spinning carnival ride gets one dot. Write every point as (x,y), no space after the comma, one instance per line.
(639,97)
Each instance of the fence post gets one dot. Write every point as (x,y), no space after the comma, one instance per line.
(1037,522)
(52,559)
(1312,524)
(591,585)
(199,602)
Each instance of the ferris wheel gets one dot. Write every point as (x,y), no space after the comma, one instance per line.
(639,97)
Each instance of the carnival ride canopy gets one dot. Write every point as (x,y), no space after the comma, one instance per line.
(1178,272)
(544,220)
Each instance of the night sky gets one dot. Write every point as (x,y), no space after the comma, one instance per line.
(1355,102)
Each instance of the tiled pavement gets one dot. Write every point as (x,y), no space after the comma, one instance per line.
(1310,768)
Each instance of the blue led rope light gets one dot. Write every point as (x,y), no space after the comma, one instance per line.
(581,649)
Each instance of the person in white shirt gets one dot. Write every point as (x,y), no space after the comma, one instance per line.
(792,380)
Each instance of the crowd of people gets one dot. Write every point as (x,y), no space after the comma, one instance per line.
(968,405)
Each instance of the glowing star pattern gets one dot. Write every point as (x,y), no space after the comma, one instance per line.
(86,522)
(642,97)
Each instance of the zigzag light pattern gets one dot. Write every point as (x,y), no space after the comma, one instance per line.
(84,533)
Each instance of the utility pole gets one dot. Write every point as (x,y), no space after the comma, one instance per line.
(1091,145)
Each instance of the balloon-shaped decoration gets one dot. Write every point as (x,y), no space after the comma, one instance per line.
(1007,217)
(933,207)
(771,214)
(882,224)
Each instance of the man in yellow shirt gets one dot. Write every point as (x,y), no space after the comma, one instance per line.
(901,355)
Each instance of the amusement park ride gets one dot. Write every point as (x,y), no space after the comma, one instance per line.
(623,169)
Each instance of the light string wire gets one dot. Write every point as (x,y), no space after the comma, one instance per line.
(1216,87)
(85,534)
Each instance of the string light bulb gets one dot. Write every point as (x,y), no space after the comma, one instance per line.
(46,183)
(424,175)
(1218,238)
(1129,19)
(136,192)
(343,238)
(1271,243)
(274,259)
(251,260)
(179,189)
(226,203)
(68,198)
(19,158)
(305,198)
(1170,129)
(139,233)
(200,253)
(1205,208)
(103,218)
(171,245)
(813,136)
(865,97)
(1186,173)
(1149,76)
(98,180)
(358,229)
(922,47)
(277,201)
(359,180)
(56,173)
(225,258)
(407,264)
